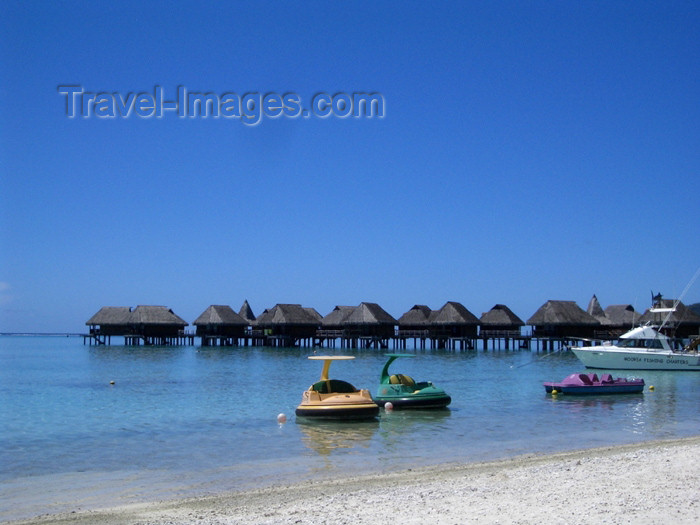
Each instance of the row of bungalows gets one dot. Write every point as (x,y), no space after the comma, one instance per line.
(369,325)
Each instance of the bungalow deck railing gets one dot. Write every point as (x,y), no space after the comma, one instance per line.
(413,333)
(330,333)
(500,334)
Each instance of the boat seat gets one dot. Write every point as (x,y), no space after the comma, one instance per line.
(606,378)
(585,379)
(336,387)
(594,377)
(401,379)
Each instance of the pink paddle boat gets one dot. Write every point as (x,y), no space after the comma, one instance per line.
(589,384)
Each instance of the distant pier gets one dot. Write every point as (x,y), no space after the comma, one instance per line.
(332,339)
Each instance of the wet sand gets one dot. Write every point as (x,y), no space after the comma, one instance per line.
(655,482)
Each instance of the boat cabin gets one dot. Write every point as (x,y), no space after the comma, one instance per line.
(644,337)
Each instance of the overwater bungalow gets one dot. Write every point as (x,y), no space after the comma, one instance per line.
(147,324)
(499,322)
(416,319)
(682,322)
(220,322)
(622,316)
(453,320)
(415,324)
(110,320)
(369,325)
(335,318)
(332,326)
(561,320)
(156,322)
(287,324)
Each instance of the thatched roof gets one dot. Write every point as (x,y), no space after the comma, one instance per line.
(682,315)
(418,315)
(246,312)
(287,314)
(454,313)
(564,313)
(314,313)
(622,315)
(501,315)
(337,315)
(596,311)
(220,315)
(155,315)
(124,315)
(111,315)
(369,314)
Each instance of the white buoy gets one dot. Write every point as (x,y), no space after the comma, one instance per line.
(281,419)
(388,406)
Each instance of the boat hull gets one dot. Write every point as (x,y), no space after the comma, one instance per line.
(595,390)
(415,401)
(590,384)
(421,395)
(615,359)
(345,412)
(337,405)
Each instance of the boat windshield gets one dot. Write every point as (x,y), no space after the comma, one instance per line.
(641,343)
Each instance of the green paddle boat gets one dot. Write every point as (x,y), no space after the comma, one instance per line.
(403,392)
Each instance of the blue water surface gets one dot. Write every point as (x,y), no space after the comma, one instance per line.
(191,420)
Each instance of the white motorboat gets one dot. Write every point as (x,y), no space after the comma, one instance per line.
(642,348)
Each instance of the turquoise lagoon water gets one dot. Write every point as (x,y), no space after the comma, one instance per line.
(185,421)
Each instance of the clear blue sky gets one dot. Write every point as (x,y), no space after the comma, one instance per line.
(528,151)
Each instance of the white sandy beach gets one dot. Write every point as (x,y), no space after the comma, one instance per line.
(654,482)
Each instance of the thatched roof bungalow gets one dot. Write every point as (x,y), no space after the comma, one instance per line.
(453,320)
(622,315)
(147,321)
(562,319)
(500,321)
(111,320)
(369,320)
(291,320)
(417,318)
(220,320)
(156,321)
(622,318)
(683,322)
(335,318)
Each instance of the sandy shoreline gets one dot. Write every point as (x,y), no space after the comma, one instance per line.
(655,482)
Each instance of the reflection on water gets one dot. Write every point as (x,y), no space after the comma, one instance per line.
(398,423)
(136,353)
(604,402)
(326,437)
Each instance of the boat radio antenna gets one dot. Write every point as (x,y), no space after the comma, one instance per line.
(685,290)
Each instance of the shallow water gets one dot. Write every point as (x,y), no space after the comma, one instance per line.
(182,421)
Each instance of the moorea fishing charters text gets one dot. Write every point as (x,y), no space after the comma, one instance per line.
(249,108)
